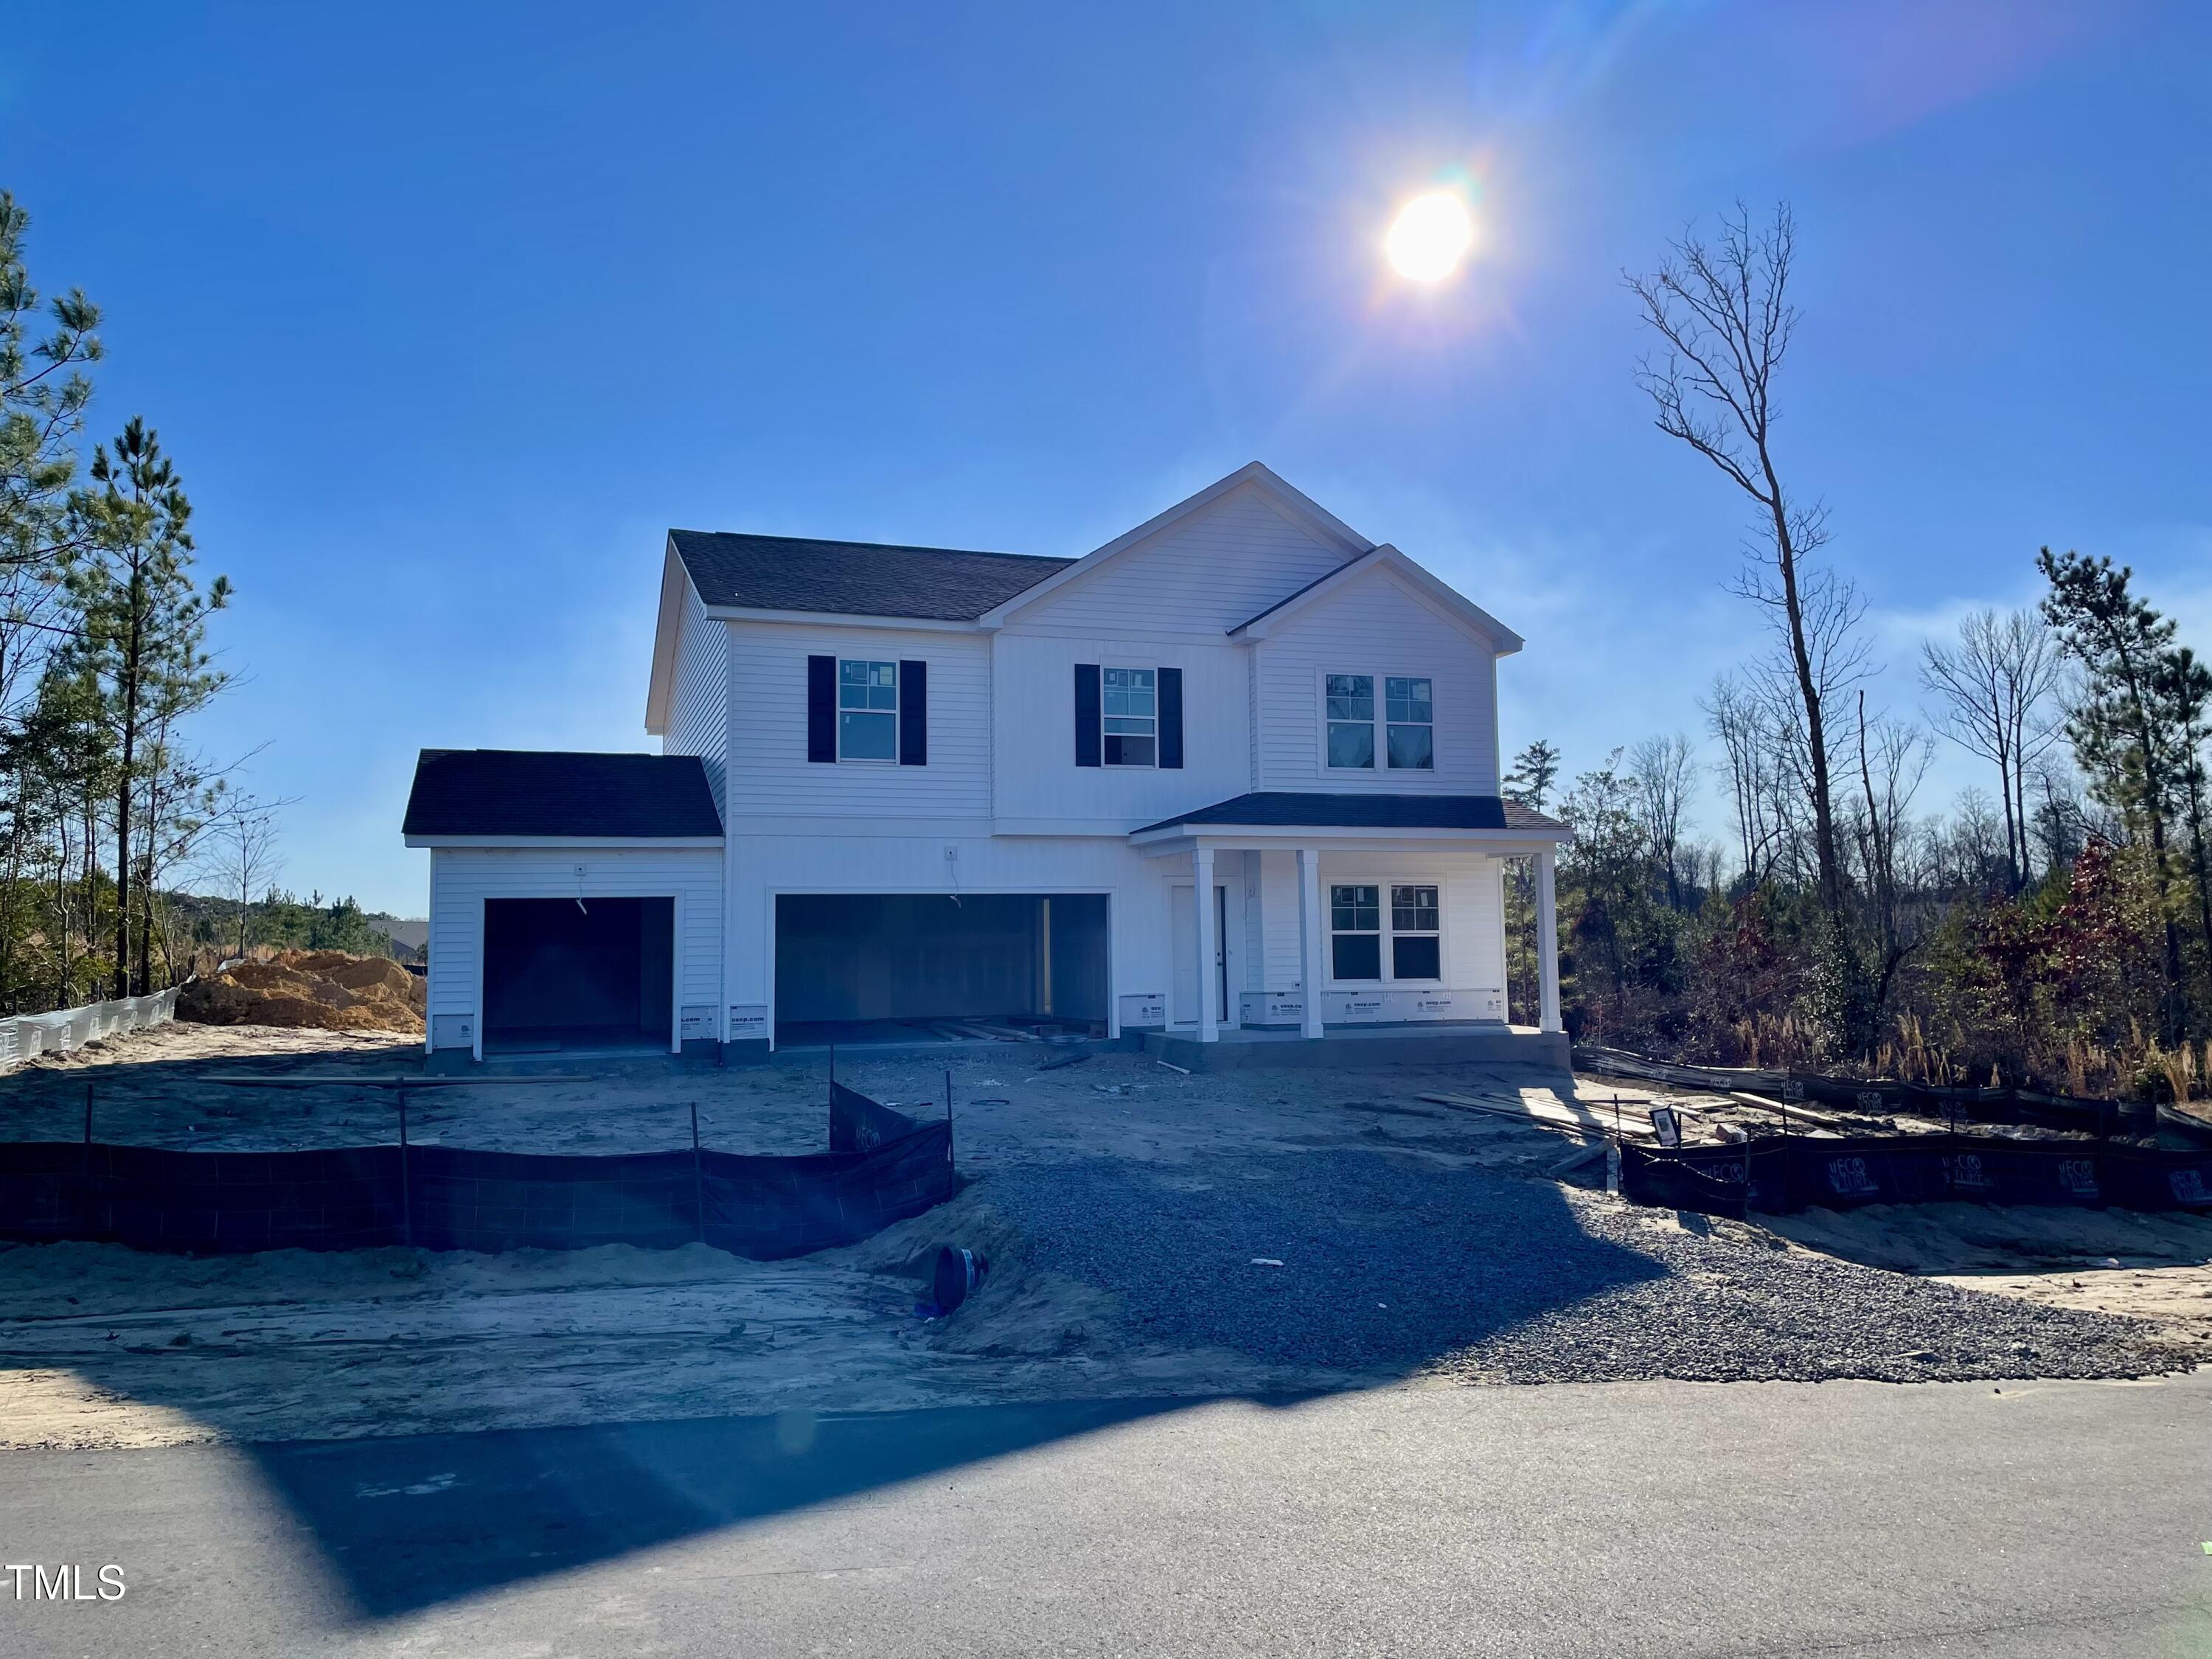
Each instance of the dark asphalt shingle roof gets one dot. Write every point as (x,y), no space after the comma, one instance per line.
(519,791)
(1288,809)
(857,579)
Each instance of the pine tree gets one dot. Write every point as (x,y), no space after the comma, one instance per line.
(144,621)
(1535,769)
(2126,728)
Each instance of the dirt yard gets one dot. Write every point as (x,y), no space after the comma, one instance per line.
(1152,1233)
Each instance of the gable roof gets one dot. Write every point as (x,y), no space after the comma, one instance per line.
(539,793)
(1292,504)
(1385,558)
(857,579)
(1292,809)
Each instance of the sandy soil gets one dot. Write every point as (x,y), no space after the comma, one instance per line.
(103,1347)
(2153,1267)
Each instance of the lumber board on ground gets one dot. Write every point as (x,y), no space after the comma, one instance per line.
(1543,1118)
(1789,1111)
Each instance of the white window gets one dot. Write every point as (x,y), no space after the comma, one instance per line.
(1396,729)
(1410,717)
(1351,721)
(867,711)
(1355,923)
(1365,934)
(1416,934)
(1131,714)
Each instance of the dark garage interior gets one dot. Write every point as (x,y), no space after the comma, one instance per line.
(567,974)
(848,965)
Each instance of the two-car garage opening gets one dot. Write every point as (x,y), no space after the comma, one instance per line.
(849,965)
(566,973)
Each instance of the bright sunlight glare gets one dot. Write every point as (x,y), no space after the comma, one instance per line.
(1429,237)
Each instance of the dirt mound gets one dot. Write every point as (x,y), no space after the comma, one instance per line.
(328,990)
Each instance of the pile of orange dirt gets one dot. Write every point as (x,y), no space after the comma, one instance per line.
(327,990)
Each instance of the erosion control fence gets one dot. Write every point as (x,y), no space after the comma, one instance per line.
(888,1166)
(2011,1106)
(25,1036)
(1804,1171)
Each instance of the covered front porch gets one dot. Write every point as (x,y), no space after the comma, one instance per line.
(1376,917)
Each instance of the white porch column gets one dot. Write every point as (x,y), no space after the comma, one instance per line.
(1547,943)
(1310,941)
(1201,869)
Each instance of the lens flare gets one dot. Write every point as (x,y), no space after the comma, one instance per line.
(1429,236)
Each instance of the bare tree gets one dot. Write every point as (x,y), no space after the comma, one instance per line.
(1760,790)
(1664,771)
(244,856)
(1996,688)
(1893,759)
(1722,310)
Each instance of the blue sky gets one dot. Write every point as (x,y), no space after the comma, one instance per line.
(448,312)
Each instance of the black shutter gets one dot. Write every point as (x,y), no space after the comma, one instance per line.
(914,713)
(821,708)
(1171,717)
(1086,713)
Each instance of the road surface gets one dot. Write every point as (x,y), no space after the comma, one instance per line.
(1670,1519)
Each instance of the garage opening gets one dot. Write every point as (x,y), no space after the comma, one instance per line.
(854,967)
(570,974)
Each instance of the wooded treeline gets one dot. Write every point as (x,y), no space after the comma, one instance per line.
(103,661)
(2055,928)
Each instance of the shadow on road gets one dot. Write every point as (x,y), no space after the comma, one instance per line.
(407,1524)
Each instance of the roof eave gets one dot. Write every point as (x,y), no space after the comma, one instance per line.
(1286,497)
(841,619)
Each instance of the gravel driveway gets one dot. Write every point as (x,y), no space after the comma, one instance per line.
(1397,1264)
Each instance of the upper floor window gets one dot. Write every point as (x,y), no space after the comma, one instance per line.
(1406,713)
(1351,721)
(1131,715)
(867,711)
(1409,716)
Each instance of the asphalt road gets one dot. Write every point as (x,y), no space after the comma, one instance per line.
(1677,1519)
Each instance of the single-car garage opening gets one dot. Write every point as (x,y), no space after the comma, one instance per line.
(579,972)
(848,965)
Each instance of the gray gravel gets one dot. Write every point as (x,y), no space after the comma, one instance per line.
(1395,1265)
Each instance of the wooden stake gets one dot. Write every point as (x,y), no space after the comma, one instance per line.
(406,1191)
(698,1182)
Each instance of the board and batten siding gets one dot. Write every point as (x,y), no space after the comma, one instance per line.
(463,877)
(1375,625)
(768,727)
(1201,575)
(699,697)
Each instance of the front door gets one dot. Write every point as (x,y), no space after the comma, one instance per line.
(1184,1004)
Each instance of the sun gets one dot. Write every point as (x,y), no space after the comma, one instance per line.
(1429,236)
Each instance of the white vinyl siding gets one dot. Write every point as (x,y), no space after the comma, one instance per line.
(699,700)
(1373,626)
(463,877)
(767,758)
(1200,576)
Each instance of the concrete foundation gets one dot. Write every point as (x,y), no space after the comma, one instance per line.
(1481,1044)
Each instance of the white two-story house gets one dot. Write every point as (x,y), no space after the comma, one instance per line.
(1235,773)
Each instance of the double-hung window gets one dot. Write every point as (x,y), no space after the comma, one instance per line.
(1409,717)
(867,711)
(1396,729)
(1365,934)
(1351,721)
(1130,713)
(1355,922)
(1416,934)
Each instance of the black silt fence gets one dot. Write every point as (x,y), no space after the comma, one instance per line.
(449,1198)
(1779,1175)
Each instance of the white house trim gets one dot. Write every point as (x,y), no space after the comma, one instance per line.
(1388,560)
(1292,504)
